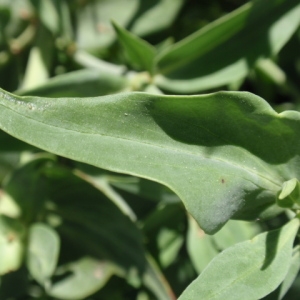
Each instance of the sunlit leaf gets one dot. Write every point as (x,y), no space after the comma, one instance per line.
(215,151)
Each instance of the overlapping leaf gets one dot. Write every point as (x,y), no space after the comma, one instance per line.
(82,83)
(225,51)
(215,151)
(247,270)
(93,18)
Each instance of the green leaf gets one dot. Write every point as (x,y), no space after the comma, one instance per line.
(11,244)
(26,188)
(48,14)
(215,151)
(93,18)
(82,83)
(234,232)
(43,250)
(94,30)
(202,248)
(163,12)
(8,206)
(224,51)
(10,144)
(86,277)
(287,188)
(94,226)
(139,52)
(248,270)
(155,281)
(293,271)
(290,194)
(169,243)
(40,60)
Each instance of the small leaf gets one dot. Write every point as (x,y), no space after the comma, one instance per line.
(163,12)
(43,250)
(287,188)
(86,277)
(11,244)
(40,60)
(169,243)
(47,11)
(82,83)
(290,194)
(139,52)
(248,270)
(8,206)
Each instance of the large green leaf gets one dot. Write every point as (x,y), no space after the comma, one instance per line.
(225,50)
(215,151)
(248,270)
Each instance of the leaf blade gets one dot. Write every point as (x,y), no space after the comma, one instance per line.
(43,252)
(139,52)
(223,51)
(233,275)
(167,138)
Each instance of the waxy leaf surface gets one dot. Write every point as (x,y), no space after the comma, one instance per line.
(219,152)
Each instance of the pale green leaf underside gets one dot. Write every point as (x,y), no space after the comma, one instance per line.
(217,151)
(249,270)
